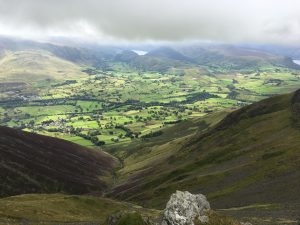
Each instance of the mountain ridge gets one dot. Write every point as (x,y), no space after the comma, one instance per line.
(160,58)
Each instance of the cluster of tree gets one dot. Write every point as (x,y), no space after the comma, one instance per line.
(47,122)
(152,134)
(90,71)
(129,133)
(94,133)
(199,96)
(232,94)
(172,122)
(274,81)
(54,130)
(64,83)
(96,141)
(91,136)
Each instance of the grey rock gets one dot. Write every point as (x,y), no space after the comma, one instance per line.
(246,223)
(183,208)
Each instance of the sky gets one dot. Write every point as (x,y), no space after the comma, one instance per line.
(242,21)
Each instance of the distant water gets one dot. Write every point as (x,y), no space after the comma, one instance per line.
(297,61)
(139,52)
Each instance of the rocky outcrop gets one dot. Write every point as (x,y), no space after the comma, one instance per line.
(184,208)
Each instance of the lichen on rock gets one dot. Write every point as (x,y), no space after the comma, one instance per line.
(184,208)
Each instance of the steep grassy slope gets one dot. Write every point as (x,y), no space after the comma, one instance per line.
(34,65)
(32,163)
(251,157)
(61,209)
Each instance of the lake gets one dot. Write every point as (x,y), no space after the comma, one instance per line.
(297,61)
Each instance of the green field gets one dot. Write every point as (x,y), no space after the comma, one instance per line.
(121,105)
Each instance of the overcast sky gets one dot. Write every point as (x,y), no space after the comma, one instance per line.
(262,21)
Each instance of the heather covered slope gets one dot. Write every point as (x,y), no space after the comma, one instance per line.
(251,157)
(32,163)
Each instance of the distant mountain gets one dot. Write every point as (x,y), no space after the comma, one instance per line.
(84,54)
(126,56)
(250,157)
(158,60)
(168,53)
(291,51)
(35,65)
(219,57)
(231,57)
(32,163)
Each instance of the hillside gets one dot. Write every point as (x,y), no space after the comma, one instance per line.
(32,163)
(247,159)
(63,209)
(36,65)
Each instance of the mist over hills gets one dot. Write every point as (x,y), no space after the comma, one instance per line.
(162,57)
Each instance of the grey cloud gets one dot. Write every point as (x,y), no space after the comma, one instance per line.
(275,21)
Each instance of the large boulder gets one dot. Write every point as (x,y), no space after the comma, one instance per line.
(184,208)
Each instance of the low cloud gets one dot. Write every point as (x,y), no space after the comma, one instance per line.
(262,21)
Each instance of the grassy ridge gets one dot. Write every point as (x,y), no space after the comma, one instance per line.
(59,208)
